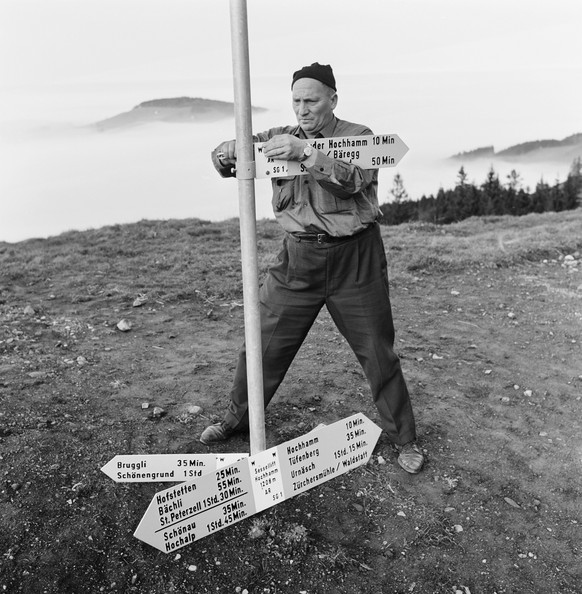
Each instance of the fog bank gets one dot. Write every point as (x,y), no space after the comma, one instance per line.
(61,174)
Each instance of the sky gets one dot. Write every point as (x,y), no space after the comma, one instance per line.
(66,41)
(446,75)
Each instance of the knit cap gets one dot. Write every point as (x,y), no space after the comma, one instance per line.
(321,72)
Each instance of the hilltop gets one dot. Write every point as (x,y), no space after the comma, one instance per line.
(535,150)
(174,110)
(488,319)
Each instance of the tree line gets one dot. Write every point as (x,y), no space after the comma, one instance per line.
(492,197)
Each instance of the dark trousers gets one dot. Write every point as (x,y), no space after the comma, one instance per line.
(350,278)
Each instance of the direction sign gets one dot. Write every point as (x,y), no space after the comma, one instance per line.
(152,468)
(188,512)
(368,152)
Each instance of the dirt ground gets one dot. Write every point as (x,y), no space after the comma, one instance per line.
(492,355)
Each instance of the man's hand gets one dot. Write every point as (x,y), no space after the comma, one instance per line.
(226,152)
(285,147)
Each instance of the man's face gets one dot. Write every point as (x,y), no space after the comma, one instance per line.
(313,104)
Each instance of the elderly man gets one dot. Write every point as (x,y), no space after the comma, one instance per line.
(332,255)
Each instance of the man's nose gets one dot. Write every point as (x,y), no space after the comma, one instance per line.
(303,108)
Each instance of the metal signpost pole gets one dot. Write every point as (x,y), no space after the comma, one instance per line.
(245,173)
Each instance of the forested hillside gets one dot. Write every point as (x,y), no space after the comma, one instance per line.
(492,197)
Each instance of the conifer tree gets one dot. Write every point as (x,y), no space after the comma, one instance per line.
(492,194)
(398,191)
(573,185)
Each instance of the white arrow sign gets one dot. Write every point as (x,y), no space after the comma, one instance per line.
(368,152)
(188,512)
(151,468)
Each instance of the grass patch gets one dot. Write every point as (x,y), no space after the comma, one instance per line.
(487,241)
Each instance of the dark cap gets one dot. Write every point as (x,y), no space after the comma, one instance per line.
(321,72)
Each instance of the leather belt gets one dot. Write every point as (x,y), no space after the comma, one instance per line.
(324,237)
(317,237)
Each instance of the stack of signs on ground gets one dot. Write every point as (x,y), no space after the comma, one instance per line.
(192,510)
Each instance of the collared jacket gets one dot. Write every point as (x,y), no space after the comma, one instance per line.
(335,197)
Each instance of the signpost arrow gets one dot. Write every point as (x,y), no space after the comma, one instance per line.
(151,468)
(192,510)
(368,152)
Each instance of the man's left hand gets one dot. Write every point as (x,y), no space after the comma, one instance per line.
(284,147)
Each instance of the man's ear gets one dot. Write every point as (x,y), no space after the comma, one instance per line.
(334,101)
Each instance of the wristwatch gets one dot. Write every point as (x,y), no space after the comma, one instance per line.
(307,152)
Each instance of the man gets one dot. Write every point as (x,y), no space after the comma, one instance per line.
(332,255)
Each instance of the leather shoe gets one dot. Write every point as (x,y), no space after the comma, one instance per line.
(411,457)
(218,432)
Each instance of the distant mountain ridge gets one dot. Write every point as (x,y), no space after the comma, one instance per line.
(173,110)
(523,149)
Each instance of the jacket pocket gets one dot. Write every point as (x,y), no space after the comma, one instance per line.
(283,193)
(327,203)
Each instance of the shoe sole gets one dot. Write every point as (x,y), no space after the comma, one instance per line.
(410,470)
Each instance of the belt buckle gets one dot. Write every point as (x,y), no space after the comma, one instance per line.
(321,237)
